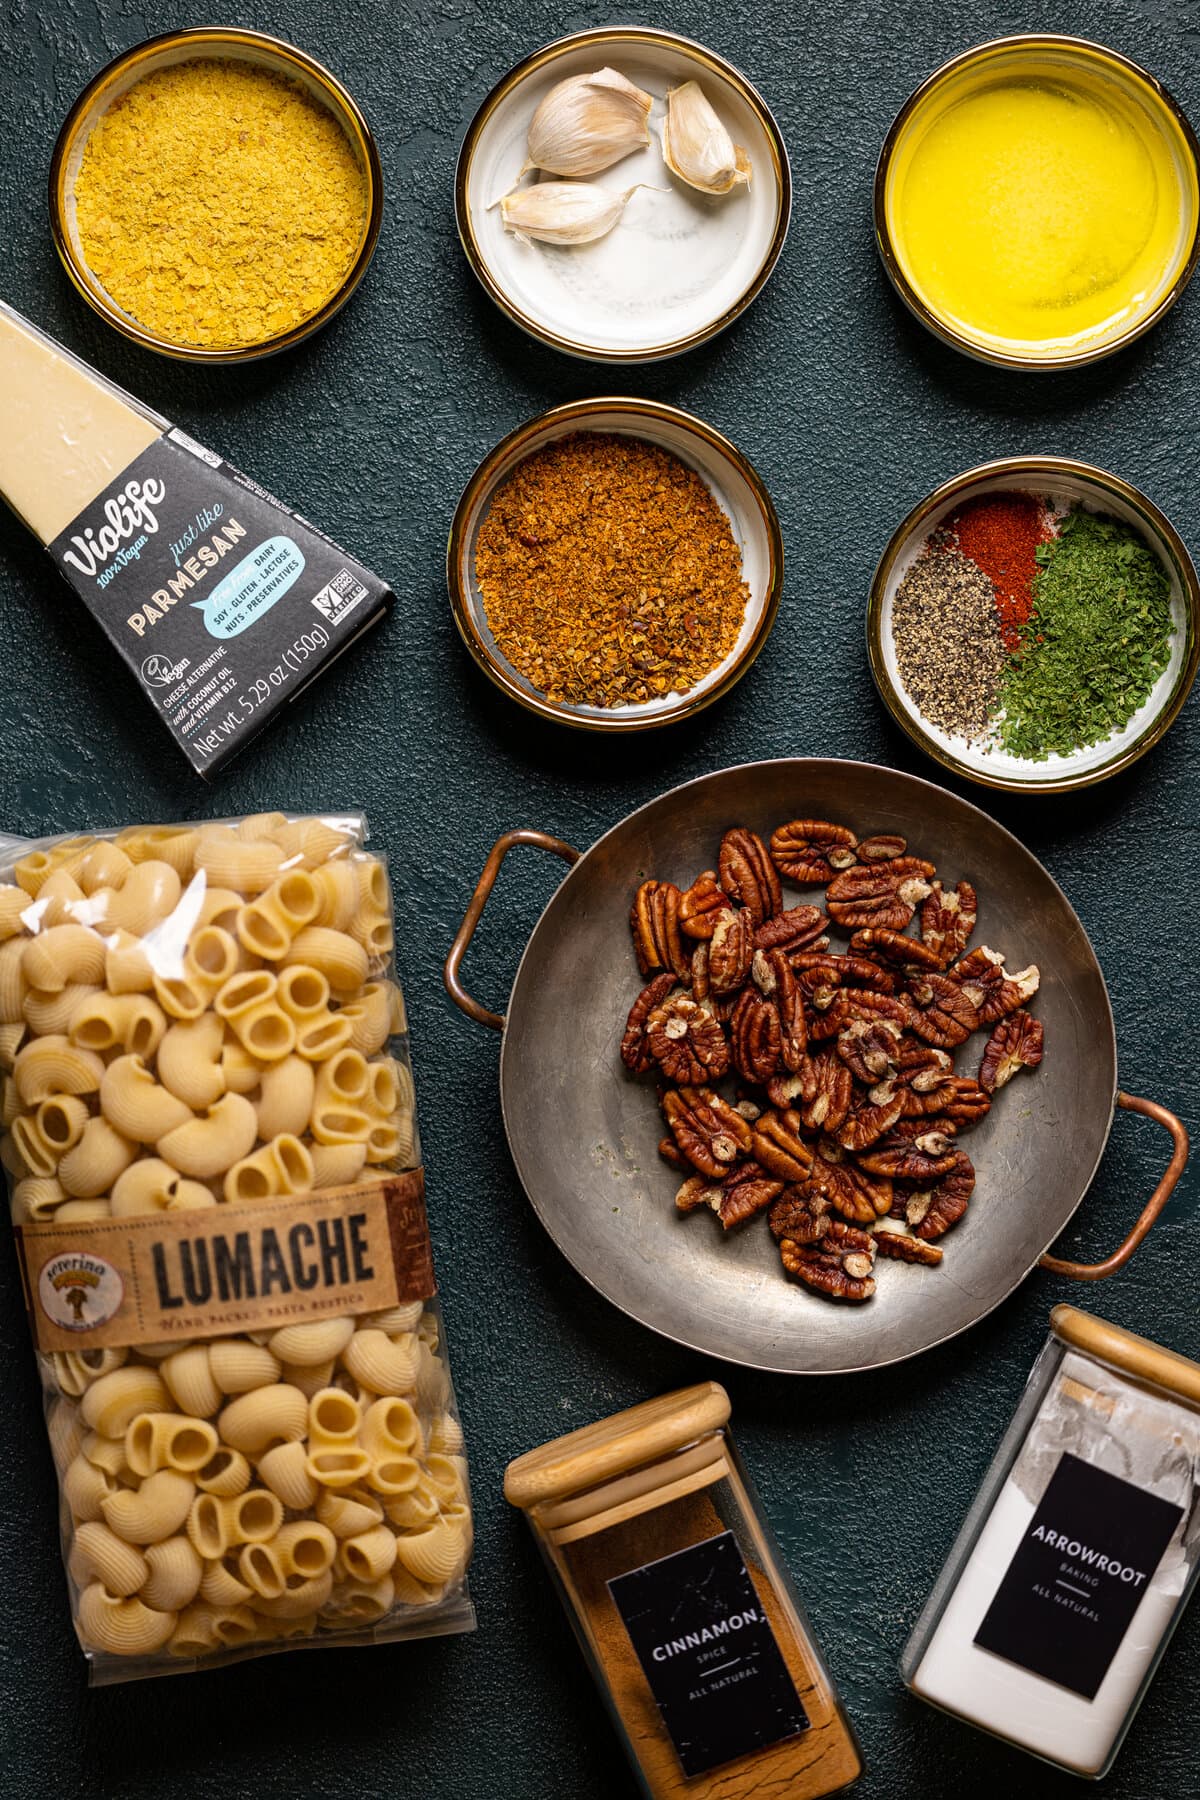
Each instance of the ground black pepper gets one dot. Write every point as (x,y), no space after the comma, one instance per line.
(949,649)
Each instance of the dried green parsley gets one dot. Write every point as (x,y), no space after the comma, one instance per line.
(1095,644)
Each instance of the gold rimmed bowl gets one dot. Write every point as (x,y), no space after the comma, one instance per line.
(207,42)
(732,480)
(1065,484)
(1056,64)
(680,266)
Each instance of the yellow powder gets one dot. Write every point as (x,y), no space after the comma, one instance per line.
(219,205)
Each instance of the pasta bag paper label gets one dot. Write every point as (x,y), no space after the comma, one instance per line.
(157,1276)
(223,602)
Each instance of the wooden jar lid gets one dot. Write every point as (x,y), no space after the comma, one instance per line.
(614,1445)
(1123,1350)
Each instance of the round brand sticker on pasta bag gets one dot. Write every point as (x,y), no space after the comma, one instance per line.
(79,1292)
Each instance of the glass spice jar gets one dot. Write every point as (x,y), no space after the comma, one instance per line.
(689,1623)
(1079,1555)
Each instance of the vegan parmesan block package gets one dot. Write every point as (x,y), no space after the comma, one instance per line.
(210,1137)
(222,601)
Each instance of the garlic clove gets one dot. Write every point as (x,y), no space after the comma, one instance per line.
(697,147)
(563,212)
(587,123)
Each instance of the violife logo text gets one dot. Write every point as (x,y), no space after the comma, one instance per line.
(130,520)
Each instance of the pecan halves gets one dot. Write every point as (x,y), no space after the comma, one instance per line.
(944,1012)
(800,1213)
(697,1191)
(822,975)
(900,1247)
(755,1037)
(922,1158)
(748,875)
(993,991)
(869,1048)
(730,951)
(775,979)
(811,851)
(881,847)
(826,1093)
(879,894)
(931,1211)
(654,921)
(894,947)
(839,1265)
(748,1190)
(921,1071)
(686,1042)
(799,928)
(1017,1043)
(868,1117)
(779,1147)
(702,904)
(852,1190)
(962,1102)
(710,1133)
(860,1003)
(948,918)
(636,1053)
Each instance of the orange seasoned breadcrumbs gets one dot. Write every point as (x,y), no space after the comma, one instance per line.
(609,573)
(218,204)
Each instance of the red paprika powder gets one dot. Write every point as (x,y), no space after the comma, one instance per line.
(1000,533)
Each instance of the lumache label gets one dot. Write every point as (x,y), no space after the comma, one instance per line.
(709,1654)
(157,1276)
(1078,1576)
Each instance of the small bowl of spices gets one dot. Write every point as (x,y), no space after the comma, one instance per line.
(1037,201)
(615,564)
(215,194)
(1033,624)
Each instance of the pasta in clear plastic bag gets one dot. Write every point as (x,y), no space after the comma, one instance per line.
(207,1120)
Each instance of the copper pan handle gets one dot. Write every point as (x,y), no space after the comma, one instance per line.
(1155,1204)
(540,840)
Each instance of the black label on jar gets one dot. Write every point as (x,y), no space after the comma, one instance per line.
(707,1649)
(1079,1575)
(224,603)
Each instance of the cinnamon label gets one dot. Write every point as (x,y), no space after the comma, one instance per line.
(204,1274)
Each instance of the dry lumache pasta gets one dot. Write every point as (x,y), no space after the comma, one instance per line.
(204,1017)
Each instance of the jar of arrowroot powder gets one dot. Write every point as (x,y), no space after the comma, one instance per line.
(1079,1555)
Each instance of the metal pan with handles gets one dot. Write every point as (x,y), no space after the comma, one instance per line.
(583,1133)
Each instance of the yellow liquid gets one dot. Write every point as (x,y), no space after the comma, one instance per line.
(1040,207)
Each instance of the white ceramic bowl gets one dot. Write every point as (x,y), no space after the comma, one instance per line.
(1064,482)
(732,480)
(680,265)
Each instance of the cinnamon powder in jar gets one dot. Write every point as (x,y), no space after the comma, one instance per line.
(688,1621)
(822,1760)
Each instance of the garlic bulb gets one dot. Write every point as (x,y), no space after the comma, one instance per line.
(587,123)
(697,147)
(563,212)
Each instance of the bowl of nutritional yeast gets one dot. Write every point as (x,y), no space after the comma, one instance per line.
(1032,624)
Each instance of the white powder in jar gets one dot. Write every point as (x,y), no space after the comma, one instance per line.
(1093,1414)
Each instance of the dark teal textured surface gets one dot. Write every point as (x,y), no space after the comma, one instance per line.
(852,414)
